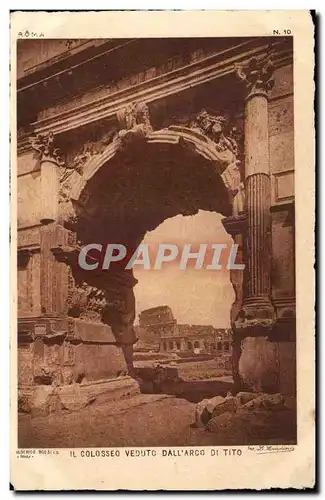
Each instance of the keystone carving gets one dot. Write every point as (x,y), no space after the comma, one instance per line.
(134,122)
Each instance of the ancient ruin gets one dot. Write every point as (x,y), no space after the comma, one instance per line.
(158,329)
(107,152)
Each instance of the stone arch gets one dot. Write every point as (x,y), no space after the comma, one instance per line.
(206,138)
(137,181)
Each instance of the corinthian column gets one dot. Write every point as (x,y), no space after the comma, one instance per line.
(53,274)
(257,310)
(50,162)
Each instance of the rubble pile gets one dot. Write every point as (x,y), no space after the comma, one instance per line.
(219,412)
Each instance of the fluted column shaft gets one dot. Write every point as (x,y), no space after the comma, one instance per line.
(257,310)
(258,200)
(259,228)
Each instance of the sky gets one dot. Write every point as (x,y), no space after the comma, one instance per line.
(196,296)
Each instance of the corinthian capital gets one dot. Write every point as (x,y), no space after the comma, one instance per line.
(257,73)
(44,146)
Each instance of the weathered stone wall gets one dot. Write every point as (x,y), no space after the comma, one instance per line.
(100,361)
(38,52)
(270,361)
(25,364)
(29,292)
(281,137)
(29,212)
(45,286)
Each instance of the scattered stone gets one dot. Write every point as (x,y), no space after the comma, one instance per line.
(202,416)
(245,397)
(213,402)
(272,402)
(72,398)
(44,401)
(230,405)
(208,412)
(254,404)
(208,408)
(219,423)
(43,375)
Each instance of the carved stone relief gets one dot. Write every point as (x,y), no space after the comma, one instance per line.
(46,149)
(226,140)
(102,297)
(257,73)
(134,122)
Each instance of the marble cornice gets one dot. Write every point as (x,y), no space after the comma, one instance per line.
(197,73)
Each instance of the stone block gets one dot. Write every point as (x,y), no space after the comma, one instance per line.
(89,331)
(47,375)
(254,404)
(219,423)
(44,401)
(271,402)
(202,416)
(72,398)
(230,405)
(29,206)
(213,402)
(99,361)
(259,365)
(25,365)
(245,397)
(213,407)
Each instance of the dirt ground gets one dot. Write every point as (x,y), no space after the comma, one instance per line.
(200,370)
(155,420)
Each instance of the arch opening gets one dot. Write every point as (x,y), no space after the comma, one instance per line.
(133,192)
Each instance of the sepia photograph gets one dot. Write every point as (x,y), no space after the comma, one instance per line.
(156,245)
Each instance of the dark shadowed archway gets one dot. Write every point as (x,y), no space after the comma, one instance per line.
(138,181)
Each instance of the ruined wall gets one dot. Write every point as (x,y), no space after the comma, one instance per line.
(281,140)
(29,213)
(272,360)
(43,281)
(281,130)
